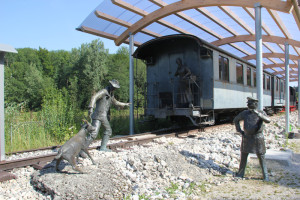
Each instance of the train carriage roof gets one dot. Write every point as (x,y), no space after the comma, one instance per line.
(147,48)
(228,24)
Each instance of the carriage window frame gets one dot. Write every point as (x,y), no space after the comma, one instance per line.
(239,73)
(223,69)
(268,79)
(254,77)
(264,81)
(249,76)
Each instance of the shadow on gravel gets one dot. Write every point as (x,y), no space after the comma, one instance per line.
(199,161)
(279,174)
(50,168)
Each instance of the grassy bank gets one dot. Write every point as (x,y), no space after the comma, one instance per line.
(28,130)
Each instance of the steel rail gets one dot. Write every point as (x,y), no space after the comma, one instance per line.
(39,161)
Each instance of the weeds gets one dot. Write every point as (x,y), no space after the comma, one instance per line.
(172,189)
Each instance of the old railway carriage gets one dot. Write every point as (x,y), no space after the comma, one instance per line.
(209,84)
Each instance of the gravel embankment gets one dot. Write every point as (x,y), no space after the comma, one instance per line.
(198,167)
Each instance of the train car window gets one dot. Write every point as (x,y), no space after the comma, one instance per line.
(150,60)
(254,77)
(264,81)
(239,73)
(277,84)
(249,76)
(268,82)
(205,53)
(223,69)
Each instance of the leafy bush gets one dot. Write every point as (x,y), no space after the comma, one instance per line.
(58,114)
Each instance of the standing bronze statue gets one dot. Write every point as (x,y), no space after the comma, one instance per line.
(98,109)
(252,136)
(185,92)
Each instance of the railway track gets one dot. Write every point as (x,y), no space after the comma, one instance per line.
(38,162)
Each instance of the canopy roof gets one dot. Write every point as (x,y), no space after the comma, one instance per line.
(228,24)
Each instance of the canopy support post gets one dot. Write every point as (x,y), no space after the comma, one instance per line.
(259,68)
(298,92)
(131,86)
(2,130)
(287,88)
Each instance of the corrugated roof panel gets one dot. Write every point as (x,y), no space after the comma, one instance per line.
(94,22)
(244,16)
(267,61)
(141,37)
(269,70)
(170,1)
(109,8)
(275,47)
(202,34)
(117,29)
(233,50)
(277,60)
(168,31)
(268,20)
(144,5)
(252,61)
(278,69)
(228,20)
(291,26)
(246,47)
(218,32)
(292,51)
(207,22)
(160,29)
(265,49)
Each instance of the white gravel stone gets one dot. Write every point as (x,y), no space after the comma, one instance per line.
(145,171)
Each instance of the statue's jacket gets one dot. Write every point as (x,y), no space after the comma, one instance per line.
(253,139)
(103,100)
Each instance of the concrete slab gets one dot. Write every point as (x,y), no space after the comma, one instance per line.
(282,157)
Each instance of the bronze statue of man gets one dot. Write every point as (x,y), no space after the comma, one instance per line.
(252,136)
(98,109)
(185,92)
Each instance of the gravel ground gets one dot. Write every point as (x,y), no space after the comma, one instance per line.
(200,166)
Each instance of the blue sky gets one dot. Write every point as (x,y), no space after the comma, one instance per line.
(48,24)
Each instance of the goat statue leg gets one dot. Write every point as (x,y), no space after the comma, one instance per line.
(72,161)
(89,155)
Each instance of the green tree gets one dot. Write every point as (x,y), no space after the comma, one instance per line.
(63,66)
(118,67)
(48,68)
(36,86)
(90,69)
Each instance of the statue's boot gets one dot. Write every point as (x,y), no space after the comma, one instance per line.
(243,164)
(104,143)
(263,165)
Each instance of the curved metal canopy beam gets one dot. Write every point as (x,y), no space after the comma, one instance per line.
(271,55)
(189,4)
(265,38)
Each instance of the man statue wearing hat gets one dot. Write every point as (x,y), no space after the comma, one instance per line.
(98,109)
(252,136)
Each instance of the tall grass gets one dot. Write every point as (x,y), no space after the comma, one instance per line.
(23,130)
(58,121)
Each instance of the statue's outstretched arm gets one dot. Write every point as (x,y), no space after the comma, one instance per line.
(119,104)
